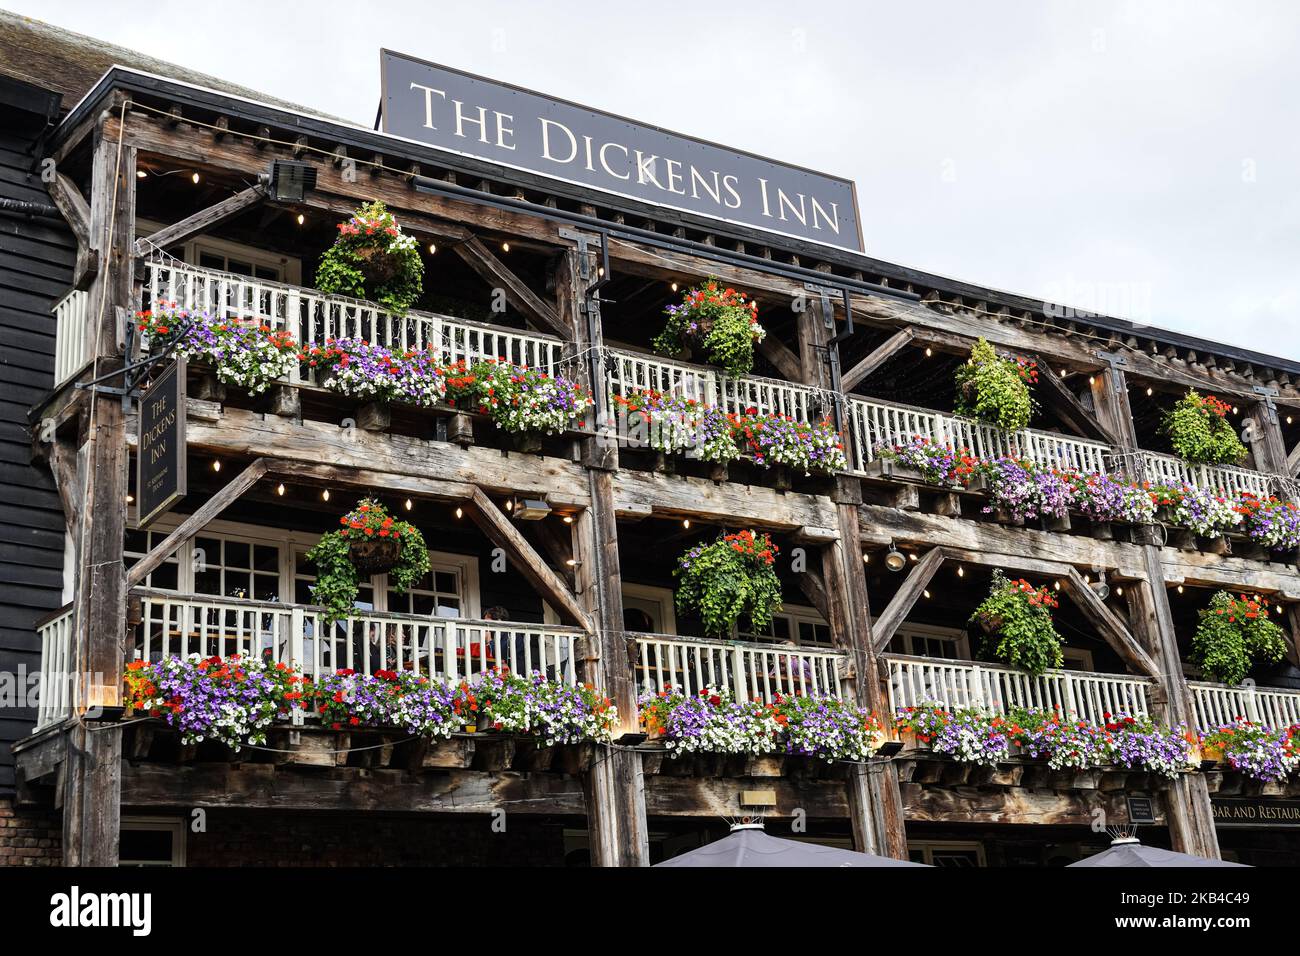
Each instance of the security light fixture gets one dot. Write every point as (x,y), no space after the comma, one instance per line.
(894,559)
(289,180)
(1100,586)
(529,509)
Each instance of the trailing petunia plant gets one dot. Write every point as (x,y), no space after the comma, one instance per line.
(676,425)
(1234,633)
(779,440)
(995,390)
(719,322)
(250,356)
(370,372)
(1257,750)
(1199,431)
(519,400)
(1270,521)
(729,578)
(334,555)
(373,259)
(937,463)
(1017,618)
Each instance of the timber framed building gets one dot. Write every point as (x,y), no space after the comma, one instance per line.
(149,153)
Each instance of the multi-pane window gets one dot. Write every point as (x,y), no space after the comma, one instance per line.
(229,567)
(438,594)
(239,266)
(165,577)
(802,626)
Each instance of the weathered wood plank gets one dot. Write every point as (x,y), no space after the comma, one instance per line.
(918,579)
(880,355)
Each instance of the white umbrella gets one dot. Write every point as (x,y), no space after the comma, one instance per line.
(747,845)
(1127,851)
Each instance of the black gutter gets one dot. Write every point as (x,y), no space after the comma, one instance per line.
(183,94)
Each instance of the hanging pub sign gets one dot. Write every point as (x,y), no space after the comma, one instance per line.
(160,478)
(466,114)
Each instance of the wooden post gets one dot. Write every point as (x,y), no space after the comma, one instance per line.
(614,786)
(92,795)
(1187,801)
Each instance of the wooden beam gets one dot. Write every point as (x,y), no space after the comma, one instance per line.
(497,526)
(786,362)
(1293,462)
(918,579)
(1057,395)
(201,221)
(197,521)
(481,259)
(882,354)
(810,583)
(1108,624)
(67,197)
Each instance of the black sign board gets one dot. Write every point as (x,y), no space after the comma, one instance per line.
(466,114)
(160,448)
(1141,810)
(1257,812)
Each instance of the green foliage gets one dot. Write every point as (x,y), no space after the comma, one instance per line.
(1199,431)
(720,321)
(373,259)
(995,390)
(336,576)
(1018,618)
(1234,633)
(728,578)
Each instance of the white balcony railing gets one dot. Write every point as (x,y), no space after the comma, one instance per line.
(637,371)
(440,648)
(313,318)
(1218,705)
(71,350)
(956,684)
(1223,479)
(57,668)
(873,422)
(750,671)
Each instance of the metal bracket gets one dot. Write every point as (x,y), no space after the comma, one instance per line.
(1267,395)
(1117,365)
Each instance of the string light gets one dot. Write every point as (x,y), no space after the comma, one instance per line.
(1150,391)
(1180,589)
(674,286)
(686,522)
(1056,585)
(928,351)
(130,499)
(961,572)
(1288,419)
(926,593)
(195,177)
(505,247)
(301,219)
(1092,380)
(409,504)
(433,248)
(1119,592)
(568,519)
(459,513)
(325,495)
(866,559)
(141,174)
(216,465)
(279,490)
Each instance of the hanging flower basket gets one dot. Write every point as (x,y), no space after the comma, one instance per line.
(989,623)
(374,555)
(373,259)
(379,265)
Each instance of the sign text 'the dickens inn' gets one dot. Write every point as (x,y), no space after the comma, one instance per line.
(466,114)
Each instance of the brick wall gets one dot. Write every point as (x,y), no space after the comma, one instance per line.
(29,838)
(259,838)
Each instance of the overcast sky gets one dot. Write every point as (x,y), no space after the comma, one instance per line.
(1140,158)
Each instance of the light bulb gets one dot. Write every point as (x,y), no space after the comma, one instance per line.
(926,593)
(216,465)
(568,519)
(325,495)
(409,504)
(301,219)
(961,572)
(459,513)
(433,247)
(279,490)
(141,174)
(686,522)
(929,352)
(195,177)
(674,286)
(505,247)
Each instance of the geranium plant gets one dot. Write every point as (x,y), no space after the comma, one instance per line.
(1234,633)
(367,528)
(994,389)
(967,734)
(373,259)
(1270,521)
(1017,617)
(1205,513)
(1199,431)
(558,713)
(250,356)
(420,706)
(719,321)
(728,578)
(938,463)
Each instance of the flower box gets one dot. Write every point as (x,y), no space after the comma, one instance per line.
(891,470)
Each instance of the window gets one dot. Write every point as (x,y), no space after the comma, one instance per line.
(234,257)
(230,567)
(947,853)
(648,609)
(166,577)
(439,594)
(792,624)
(924,640)
(152,841)
(1076,659)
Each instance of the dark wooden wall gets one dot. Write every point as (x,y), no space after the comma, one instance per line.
(36,259)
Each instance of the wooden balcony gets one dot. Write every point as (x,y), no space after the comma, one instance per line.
(748,670)
(1217,705)
(955,684)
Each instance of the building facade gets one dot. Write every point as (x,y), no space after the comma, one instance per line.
(130,185)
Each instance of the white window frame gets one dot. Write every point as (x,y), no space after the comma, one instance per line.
(1080,654)
(655,595)
(174,825)
(908,630)
(927,848)
(289,267)
(288,542)
(794,614)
